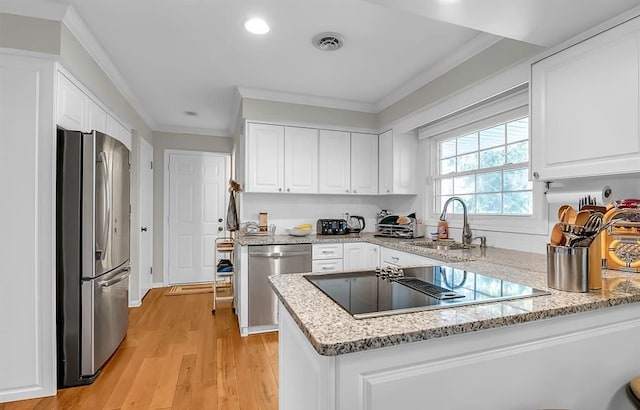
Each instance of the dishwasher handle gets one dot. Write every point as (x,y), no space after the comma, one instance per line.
(278,254)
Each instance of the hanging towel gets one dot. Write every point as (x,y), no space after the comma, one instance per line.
(232,214)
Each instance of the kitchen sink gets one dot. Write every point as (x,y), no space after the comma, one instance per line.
(442,245)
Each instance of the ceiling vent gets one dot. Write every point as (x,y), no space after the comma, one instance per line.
(328,41)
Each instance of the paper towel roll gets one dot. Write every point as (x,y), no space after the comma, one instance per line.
(572,198)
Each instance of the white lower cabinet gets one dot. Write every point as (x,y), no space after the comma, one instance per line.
(394,257)
(327,257)
(361,255)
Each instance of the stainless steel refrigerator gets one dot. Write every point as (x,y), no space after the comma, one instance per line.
(92,249)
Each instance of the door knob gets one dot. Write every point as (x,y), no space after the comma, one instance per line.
(143,229)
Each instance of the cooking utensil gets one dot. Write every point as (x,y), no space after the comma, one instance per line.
(581,218)
(562,212)
(557,236)
(570,215)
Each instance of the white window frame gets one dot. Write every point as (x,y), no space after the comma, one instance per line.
(478,118)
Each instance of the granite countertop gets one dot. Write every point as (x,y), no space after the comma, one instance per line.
(332,331)
(400,244)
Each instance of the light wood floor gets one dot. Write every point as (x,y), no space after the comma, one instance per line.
(177,355)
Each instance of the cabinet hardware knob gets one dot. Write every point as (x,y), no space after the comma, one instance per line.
(143,229)
(347,191)
(536,175)
(355,192)
(279,189)
(288,190)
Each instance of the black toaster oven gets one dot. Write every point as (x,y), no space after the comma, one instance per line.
(331,227)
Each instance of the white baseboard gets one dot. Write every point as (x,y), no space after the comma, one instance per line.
(135,303)
(158,285)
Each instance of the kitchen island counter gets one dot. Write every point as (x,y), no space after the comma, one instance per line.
(333,331)
(538,352)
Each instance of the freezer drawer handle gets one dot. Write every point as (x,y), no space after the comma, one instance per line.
(111,282)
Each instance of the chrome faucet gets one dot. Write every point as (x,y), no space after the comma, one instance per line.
(467,236)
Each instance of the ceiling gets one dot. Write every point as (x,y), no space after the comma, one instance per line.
(175,56)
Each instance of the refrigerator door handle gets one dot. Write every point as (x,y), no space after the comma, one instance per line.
(107,212)
(117,279)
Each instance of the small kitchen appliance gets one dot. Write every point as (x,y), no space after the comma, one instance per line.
(332,227)
(355,223)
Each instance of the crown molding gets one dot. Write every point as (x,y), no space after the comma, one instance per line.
(207,132)
(478,44)
(83,34)
(292,98)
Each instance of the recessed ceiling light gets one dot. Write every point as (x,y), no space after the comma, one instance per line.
(191,113)
(256,26)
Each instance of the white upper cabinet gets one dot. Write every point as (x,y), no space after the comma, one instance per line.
(397,163)
(118,131)
(265,158)
(364,163)
(334,158)
(282,159)
(300,160)
(71,106)
(96,118)
(75,110)
(585,107)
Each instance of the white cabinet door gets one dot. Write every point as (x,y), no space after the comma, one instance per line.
(585,107)
(96,118)
(397,163)
(265,158)
(364,163)
(405,161)
(385,163)
(394,257)
(334,169)
(71,106)
(360,255)
(118,131)
(300,160)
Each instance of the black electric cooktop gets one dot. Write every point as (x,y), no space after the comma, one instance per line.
(365,295)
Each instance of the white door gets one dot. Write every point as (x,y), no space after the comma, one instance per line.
(364,163)
(146,217)
(301,160)
(197,204)
(334,175)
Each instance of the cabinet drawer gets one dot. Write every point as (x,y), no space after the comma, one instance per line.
(327,251)
(328,265)
(394,257)
(417,260)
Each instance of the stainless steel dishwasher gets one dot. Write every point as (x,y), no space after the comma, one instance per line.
(266,260)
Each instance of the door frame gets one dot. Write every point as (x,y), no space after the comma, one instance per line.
(166,202)
(152,231)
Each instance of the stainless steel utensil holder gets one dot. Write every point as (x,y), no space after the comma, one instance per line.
(568,268)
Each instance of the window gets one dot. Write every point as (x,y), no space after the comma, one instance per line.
(488,169)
